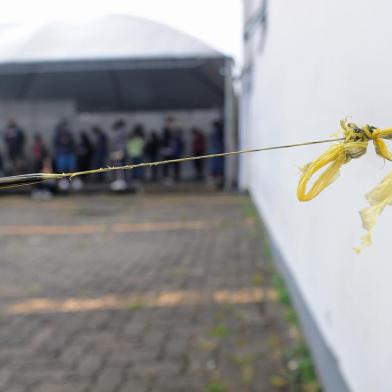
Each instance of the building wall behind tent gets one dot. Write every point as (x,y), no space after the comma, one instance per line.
(320,61)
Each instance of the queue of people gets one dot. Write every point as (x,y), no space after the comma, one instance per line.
(118,146)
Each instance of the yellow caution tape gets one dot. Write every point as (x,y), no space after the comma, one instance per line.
(354,145)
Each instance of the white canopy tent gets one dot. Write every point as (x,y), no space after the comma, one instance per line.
(115,63)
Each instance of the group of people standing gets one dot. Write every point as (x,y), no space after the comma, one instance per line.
(137,147)
(120,146)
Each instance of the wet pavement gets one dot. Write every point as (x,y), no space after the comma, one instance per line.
(163,292)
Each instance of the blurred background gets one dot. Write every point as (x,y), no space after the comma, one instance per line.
(205,275)
(118,83)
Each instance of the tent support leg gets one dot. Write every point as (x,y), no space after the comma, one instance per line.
(230,140)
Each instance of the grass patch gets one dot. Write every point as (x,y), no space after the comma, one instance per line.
(283,295)
(278,381)
(216,386)
(246,365)
(250,210)
(135,305)
(301,369)
(219,331)
(300,373)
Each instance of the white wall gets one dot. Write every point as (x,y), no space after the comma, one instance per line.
(323,60)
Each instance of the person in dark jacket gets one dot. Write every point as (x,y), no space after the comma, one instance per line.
(174,150)
(216,147)
(198,149)
(178,152)
(152,149)
(100,156)
(118,154)
(84,152)
(14,139)
(65,155)
(64,148)
(166,145)
(39,154)
(40,164)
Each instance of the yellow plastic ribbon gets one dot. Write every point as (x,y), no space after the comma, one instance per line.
(354,145)
(378,199)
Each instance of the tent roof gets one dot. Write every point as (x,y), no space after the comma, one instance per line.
(108,37)
(110,63)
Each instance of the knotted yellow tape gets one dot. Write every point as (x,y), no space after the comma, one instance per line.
(354,145)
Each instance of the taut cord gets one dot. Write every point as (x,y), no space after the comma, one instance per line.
(29,179)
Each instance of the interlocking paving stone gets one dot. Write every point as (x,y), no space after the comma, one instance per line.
(171,344)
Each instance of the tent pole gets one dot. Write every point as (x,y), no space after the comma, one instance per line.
(229,127)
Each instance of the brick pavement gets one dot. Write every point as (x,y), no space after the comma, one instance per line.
(134,294)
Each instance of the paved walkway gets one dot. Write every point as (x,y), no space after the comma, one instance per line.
(133,294)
